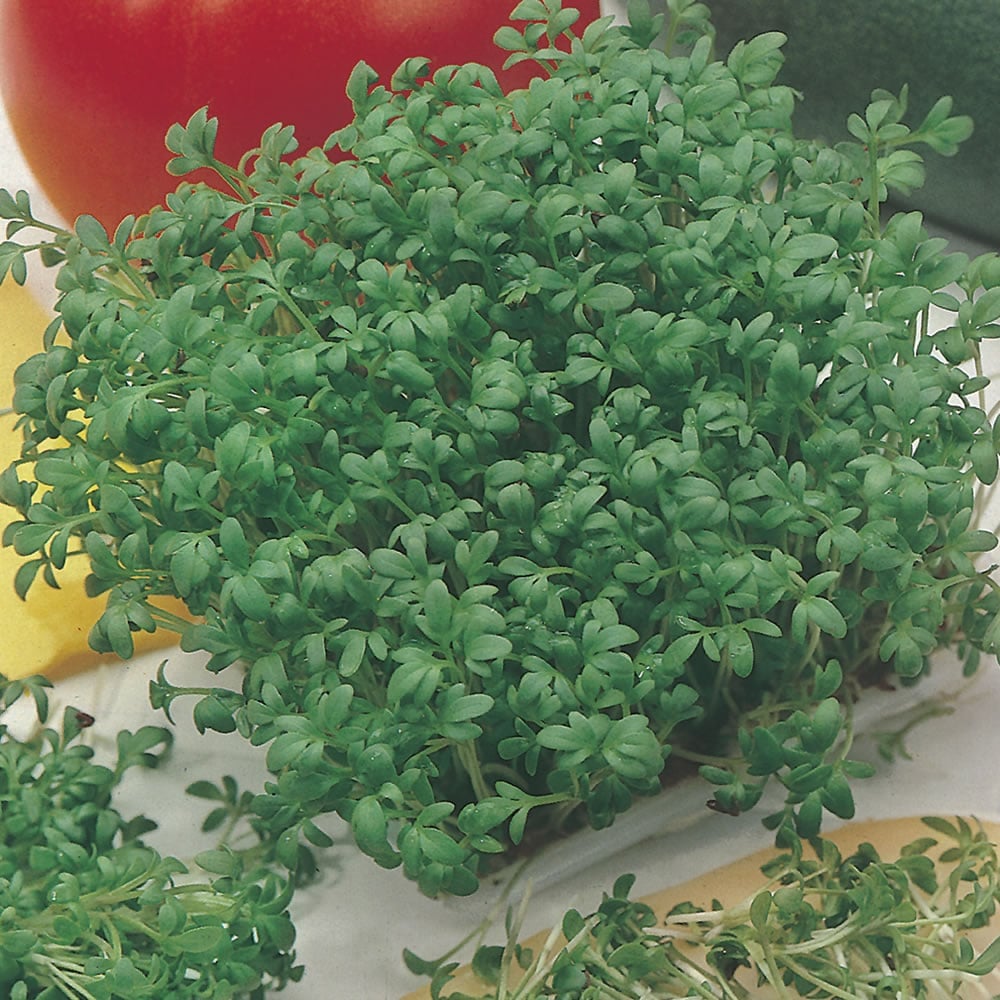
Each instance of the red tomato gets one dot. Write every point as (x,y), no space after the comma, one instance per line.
(91,87)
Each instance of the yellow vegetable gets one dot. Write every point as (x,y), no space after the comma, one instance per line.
(48,632)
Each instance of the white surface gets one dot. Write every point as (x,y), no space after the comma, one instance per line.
(355,923)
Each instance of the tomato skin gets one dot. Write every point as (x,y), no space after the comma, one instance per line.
(92,87)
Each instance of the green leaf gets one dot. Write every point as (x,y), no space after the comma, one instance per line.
(486,815)
(211,713)
(92,234)
(826,616)
(766,755)
(562,738)
(203,789)
(17,943)
(609,297)
(760,910)
(25,576)
(824,727)
(903,302)
(829,679)
(31,538)
(234,545)
(985,460)
(809,817)
(405,368)
(809,246)
(986,961)
(249,597)
(510,39)
(358,82)
(353,654)
(469,706)
(986,308)
(287,849)
(219,862)
(488,647)
(370,828)
(438,608)
(883,558)
(838,797)
(518,566)
(707,99)
(739,647)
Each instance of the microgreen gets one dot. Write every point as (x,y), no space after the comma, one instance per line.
(89,911)
(822,924)
(546,436)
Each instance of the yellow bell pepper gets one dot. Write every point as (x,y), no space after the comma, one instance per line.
(47,633)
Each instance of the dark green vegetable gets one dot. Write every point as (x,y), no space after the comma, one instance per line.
(552,435)
(838,52)
(88,911)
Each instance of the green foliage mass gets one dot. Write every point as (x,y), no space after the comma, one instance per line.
(544,437)
(88,911)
